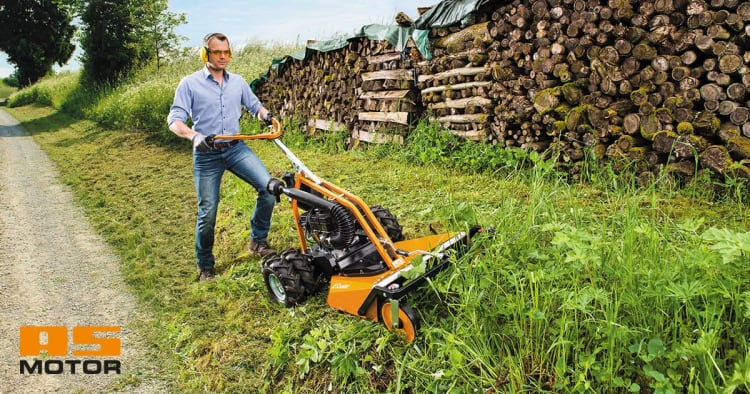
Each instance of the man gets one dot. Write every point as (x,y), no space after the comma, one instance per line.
(214,99)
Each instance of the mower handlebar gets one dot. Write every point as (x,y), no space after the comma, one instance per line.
(272,135)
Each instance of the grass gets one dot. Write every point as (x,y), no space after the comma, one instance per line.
(5,90)
(596,286)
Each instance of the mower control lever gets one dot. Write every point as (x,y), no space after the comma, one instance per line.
(275,187)
(275,133)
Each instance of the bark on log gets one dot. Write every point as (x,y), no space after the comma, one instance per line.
(622,79)
(393,117)
(739,147)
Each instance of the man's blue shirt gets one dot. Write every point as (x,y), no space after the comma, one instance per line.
(214,108)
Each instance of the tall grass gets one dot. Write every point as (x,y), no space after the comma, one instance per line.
(602,285)
(52,91)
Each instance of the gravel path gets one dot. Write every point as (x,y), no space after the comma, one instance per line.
(55,270)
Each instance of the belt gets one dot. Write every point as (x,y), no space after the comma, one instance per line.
(223,145)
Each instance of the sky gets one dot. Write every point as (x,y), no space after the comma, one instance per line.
(292,21)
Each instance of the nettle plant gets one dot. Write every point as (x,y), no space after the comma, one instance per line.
(636,306)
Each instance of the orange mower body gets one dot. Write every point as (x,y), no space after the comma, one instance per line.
(358,250)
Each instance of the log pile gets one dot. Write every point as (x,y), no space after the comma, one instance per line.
(655,84)
(322,87)
(387,99)
(646,83)
(367,88)
(455,85)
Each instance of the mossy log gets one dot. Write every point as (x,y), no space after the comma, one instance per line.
(716,158)
(739,147)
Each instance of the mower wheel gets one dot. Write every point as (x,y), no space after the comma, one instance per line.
(282,279)
(309,274)
(389,223)
(408,321)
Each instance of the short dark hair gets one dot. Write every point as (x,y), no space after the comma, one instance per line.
(218,36)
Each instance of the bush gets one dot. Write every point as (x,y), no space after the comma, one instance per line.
(11,81)
(431,144)
(52,91)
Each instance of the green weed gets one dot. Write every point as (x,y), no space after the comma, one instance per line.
(603,285)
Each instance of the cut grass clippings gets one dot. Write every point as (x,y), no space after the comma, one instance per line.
(582,286)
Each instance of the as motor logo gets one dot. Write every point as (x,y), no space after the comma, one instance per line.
(51,349)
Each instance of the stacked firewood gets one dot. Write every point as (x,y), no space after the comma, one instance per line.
(651,82)
(322,87)
(367,88)
(455,84)
(388,100)
(655,84)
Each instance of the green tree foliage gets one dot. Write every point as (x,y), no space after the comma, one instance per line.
(35,34)
(120,35)
(155,29)
(108,40)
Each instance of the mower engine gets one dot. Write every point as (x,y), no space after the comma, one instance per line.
(334,238)
(349,254)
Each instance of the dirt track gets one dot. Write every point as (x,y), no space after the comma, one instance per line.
(55,270)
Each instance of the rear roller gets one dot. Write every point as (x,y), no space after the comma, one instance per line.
(407,323)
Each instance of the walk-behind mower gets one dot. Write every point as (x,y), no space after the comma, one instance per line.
(359,250)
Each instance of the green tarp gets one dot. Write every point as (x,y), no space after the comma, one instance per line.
(398,36)
(448,12)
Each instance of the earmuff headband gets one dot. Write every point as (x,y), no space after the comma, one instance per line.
(207,39)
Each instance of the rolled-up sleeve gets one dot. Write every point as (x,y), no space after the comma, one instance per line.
(180,109)
(250,100)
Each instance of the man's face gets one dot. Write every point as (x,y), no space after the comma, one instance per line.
(218,54)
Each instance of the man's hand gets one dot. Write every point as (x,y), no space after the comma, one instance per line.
(267,118)
(202,143)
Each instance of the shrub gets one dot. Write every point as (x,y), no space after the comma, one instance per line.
(52,91)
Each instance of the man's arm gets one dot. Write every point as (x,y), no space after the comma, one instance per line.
(181,129)
(262,112)
(201,143)
(179,111)
(252,103)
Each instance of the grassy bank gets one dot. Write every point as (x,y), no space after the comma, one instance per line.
(589,287)
(5,90)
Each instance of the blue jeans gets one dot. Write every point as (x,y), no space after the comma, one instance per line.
(208,168)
